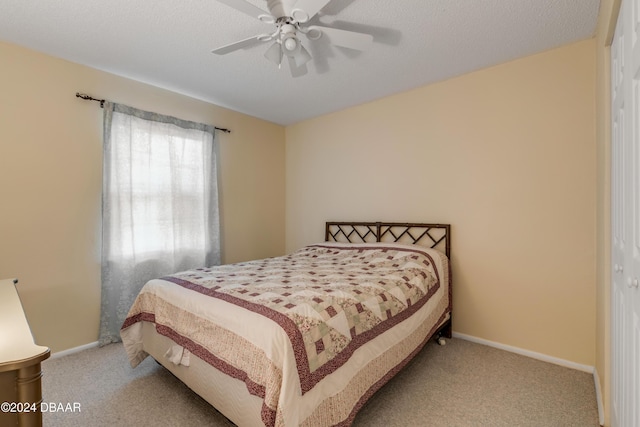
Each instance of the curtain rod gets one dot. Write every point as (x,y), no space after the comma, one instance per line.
(102,101)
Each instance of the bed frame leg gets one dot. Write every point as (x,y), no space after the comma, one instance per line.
(444,332)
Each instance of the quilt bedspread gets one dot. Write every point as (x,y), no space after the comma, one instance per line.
(328,299)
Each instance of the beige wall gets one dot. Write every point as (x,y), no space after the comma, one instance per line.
(50,161)
(507,155)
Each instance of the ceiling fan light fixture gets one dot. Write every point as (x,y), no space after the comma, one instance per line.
(290,44)
(274,54)
(302,57)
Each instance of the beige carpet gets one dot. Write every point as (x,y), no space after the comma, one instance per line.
(459,384)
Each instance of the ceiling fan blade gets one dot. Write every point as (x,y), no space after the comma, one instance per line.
(242,44)
(274,53)
(247,8)
(344,38)
(295,70)
(307,9)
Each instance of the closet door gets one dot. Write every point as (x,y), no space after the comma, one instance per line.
(618,227)
(625,217)
(632,259)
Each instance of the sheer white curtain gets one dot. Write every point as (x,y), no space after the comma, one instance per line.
(160,205)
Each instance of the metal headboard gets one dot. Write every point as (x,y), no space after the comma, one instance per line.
(437,236)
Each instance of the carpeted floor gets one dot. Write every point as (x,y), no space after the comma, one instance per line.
(459,384)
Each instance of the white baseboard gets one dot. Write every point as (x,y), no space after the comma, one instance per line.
(73,350)
(544,358)
(528,353)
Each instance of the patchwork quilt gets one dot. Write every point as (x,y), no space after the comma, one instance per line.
(323,302)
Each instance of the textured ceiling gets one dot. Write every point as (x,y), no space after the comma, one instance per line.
(167,43)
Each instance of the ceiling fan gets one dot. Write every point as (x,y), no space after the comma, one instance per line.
(291,19)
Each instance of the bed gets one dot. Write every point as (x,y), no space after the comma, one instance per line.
(306,338)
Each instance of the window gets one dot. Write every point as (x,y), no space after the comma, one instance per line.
(160,204)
